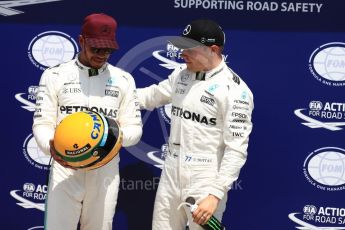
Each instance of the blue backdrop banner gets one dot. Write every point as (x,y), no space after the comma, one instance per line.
(292,56)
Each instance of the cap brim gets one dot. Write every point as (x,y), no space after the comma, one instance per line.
(184,42)
(102,43)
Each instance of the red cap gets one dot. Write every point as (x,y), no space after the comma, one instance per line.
(99,31)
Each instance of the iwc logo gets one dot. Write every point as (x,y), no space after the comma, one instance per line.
(51,48)
(327,64)
(324,168)
(34,155)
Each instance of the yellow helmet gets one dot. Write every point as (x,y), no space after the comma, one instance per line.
(87,140)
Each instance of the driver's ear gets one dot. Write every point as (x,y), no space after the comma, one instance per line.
(215,48)
(81,40)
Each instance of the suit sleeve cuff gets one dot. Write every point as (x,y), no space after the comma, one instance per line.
(217,192)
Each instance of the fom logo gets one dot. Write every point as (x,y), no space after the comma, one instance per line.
(327,64)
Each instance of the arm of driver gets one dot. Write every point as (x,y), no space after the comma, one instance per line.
(237,112)
(45,115)
(129,115)
(157,95)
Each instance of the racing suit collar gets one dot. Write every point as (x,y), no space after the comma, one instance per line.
(202,76)
(90,71)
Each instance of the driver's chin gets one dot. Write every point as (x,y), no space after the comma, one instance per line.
(97,64)
(193,68)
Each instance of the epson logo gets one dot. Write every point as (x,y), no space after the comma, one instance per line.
(179,112)
(327,64)
(207,100)
(239,115)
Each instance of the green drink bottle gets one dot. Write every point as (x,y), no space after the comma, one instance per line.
(212,224)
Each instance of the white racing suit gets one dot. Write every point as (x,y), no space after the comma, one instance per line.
(90,196)
(210,127)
